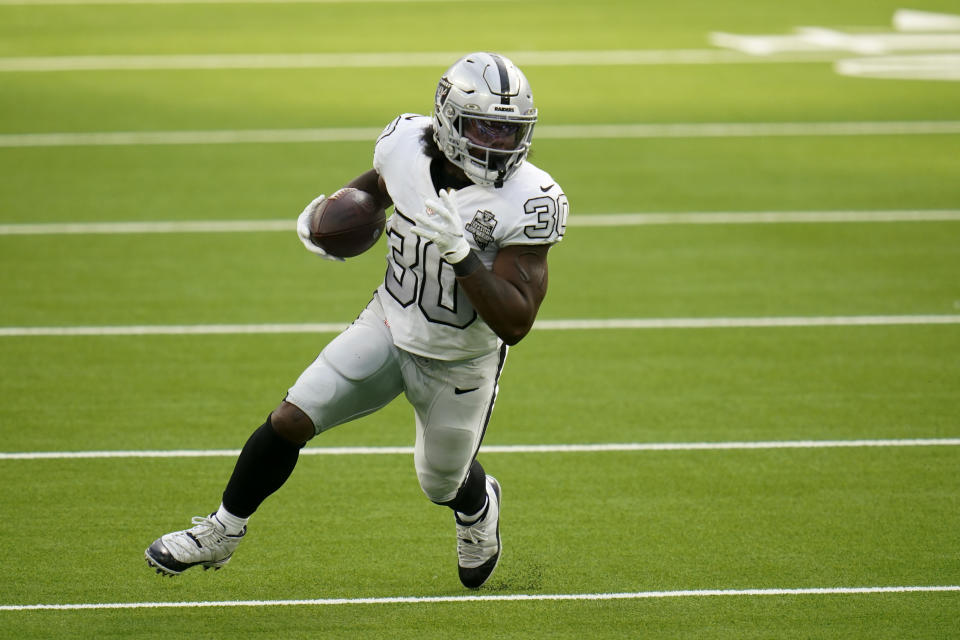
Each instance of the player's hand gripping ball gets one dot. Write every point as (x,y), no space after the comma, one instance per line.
(347,223)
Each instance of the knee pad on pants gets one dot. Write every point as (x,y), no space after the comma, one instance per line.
(444,460)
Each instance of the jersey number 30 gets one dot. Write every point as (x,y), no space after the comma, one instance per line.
(416,274)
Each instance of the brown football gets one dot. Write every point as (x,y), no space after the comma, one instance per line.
(347,223)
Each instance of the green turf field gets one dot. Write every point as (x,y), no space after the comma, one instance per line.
(762,265)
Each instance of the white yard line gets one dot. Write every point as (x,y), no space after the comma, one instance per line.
(749,129)
(582,220)
(507,449)
(739,323)
(138,138)
(520,597)
(758,217)
(180,226)
(944,66)
(394,59)
(175,330)
(29,3)
(545,132)
(542,325)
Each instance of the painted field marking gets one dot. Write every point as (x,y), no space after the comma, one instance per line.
(921,21)
(928,44)
(138,138)
(508,449)
(542,325)
(582,220)
(757,217)
(176,330)
(926,67)
(915,31)
(546,132)
(748,129)
(806,39)
(162,2)
(519,597)
(393,59)
(740,323)
(180,226)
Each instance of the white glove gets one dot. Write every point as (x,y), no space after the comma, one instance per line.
(441,224)
(303,230)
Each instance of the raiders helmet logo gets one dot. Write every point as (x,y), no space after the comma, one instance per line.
(443,90)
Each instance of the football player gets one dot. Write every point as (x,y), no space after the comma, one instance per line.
(473,221)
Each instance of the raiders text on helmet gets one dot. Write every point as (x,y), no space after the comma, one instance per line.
(483,117)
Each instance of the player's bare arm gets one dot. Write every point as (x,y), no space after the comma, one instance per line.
(508,296)
(372,183)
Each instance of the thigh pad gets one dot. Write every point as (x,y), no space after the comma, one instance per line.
(360,351)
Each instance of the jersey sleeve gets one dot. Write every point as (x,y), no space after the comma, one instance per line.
(542,218)
(390,137)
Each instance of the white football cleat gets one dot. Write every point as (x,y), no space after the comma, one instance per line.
(478,544)
(206,543)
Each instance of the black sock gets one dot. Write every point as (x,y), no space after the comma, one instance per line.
(265,463)
(473,492)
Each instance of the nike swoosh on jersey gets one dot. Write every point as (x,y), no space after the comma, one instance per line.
(546,188)
(459,391)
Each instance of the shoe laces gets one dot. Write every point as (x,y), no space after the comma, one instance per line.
(207,527)
(204,534)
(472,540)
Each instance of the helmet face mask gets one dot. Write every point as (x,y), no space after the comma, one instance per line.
(483,117)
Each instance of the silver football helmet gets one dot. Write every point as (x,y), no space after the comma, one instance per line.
(483,117)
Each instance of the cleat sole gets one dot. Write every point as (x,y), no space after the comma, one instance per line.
(159,568)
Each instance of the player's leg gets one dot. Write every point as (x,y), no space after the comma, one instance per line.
(265,463)
(453,404)
(356,374)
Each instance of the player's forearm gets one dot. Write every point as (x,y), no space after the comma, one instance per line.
(372,183)
(502,305)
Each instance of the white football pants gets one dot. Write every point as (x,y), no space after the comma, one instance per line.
(361,371)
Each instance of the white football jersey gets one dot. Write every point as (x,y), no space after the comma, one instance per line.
(427,311)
